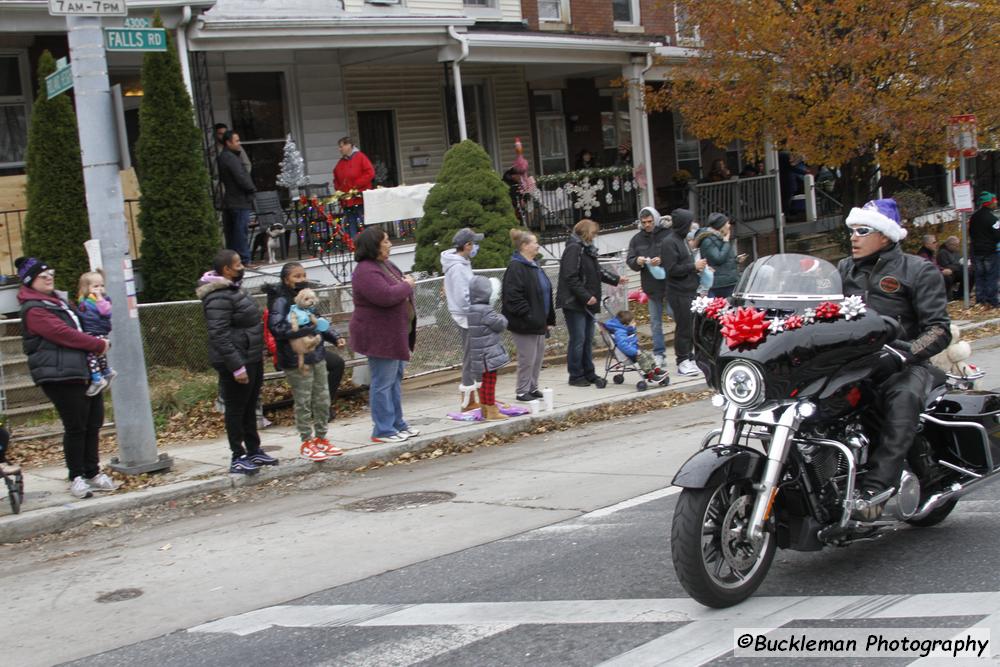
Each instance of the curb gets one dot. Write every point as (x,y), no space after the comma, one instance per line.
(17,527)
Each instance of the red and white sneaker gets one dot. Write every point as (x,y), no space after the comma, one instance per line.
(324,445)
(311,452)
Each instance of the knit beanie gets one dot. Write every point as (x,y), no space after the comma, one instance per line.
(28,269)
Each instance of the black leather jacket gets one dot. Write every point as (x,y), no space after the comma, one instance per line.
(907,288)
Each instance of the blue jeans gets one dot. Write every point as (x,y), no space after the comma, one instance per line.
(235,229)
(385,396)
(657,304)
(580,356)
(987,270)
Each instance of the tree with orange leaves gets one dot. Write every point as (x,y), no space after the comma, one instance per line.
(851,83)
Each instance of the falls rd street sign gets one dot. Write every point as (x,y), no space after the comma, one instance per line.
(59,81)
(135,39)
(87,8)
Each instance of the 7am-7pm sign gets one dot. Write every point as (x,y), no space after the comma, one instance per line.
(87,8)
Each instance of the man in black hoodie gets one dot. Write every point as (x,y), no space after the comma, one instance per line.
(984,232)
(682,286)
(644,253)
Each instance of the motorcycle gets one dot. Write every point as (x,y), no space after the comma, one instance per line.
(796,365)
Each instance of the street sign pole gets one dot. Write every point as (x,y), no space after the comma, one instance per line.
(106,209)
(963,220)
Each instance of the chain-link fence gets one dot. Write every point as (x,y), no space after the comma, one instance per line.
(174,333)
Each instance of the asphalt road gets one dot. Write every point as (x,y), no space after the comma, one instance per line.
(553,550)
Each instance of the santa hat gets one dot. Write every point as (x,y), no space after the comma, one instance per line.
(882,215)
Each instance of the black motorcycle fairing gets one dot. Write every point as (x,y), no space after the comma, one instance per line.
(798,363)
(722,463)
(964,445)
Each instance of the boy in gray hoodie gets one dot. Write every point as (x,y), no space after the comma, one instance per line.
(456,264)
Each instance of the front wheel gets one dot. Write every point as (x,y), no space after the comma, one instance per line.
(714,559)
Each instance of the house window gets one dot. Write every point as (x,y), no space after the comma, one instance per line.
(480,4)
(553,155)
(687,148)
(480,121)
(625,12)
(553,10)
(14,110)
(686,31)
(259,115)
(616,126)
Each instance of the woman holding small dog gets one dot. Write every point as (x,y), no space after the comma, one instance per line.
(306,374)
(384,329)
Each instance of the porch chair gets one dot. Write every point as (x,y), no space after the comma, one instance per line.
(268,212)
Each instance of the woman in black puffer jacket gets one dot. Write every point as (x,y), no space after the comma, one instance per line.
(579,295)
(236,351)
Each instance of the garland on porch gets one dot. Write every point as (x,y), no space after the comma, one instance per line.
(584,186)
(320,228)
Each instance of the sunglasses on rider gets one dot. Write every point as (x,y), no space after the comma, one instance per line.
(861,231)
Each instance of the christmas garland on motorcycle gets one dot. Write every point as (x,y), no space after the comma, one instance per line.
(749,326)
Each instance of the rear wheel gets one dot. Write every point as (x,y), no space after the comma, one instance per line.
(715,561)
(618,379)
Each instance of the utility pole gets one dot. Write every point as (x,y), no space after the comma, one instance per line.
(106,208)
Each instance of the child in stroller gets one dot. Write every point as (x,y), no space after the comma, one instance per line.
(10,472)
(624,354)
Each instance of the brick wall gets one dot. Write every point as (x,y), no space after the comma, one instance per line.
(594,17)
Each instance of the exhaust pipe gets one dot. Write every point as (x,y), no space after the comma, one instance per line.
(956,491)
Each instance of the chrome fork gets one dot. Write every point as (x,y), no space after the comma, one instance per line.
(777,453)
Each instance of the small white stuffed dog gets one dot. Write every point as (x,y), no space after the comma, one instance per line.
(953,359)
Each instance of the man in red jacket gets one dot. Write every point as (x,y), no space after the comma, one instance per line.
(354,171)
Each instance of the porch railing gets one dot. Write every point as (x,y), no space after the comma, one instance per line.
(743,200)
(608,196)
(12,234)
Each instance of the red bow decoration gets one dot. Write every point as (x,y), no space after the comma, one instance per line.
(715,308)
(302,199)
(828,310)
(744,325)
(793,322)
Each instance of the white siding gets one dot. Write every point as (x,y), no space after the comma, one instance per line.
(314,99)
(417,96)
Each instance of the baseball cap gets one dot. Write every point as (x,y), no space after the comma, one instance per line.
(465,235)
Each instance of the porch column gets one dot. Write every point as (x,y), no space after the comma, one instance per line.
(639,123)
(456,73)
(771,166)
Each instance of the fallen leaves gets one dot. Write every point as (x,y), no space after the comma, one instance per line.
(594,414)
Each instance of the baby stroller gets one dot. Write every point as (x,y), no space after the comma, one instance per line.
(619,363)
(11,474)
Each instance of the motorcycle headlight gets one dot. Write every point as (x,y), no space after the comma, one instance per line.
(743,384)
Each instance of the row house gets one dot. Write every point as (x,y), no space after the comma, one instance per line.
(406,79)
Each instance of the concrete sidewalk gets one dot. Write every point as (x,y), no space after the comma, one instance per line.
(202,467)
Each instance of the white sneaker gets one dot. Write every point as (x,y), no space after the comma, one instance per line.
(79,488)
(660,361)
(394,438)
(101,482)
(96,388)
(688,367)
(410,432)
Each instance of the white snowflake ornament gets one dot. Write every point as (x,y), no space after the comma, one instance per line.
(852,307)
(616,184)
(628,186)
(609,198)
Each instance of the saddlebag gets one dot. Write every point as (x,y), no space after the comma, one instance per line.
(964,429)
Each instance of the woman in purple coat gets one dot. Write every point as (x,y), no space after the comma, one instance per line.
(384,329)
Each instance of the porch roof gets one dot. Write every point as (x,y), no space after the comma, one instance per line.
(311,24)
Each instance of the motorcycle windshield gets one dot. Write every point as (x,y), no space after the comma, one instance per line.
(790,277)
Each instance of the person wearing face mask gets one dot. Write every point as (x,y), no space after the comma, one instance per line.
(456,264)
(236,351)
(310,388)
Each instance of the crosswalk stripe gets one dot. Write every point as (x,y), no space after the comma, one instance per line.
(755,612)
(412,650)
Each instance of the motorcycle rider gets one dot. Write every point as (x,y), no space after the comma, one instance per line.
(912,291)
